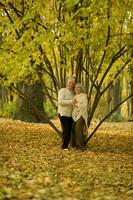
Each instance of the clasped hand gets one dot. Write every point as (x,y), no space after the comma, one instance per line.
(74,101)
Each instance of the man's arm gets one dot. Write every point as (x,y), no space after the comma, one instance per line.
(61,98)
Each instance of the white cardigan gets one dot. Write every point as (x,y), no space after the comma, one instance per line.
(81,108)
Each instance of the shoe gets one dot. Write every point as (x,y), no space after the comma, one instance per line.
(66,149)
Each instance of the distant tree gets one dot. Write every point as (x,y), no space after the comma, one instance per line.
(130,114)
(3,95)
(24,111)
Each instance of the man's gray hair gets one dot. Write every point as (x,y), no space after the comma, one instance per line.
(72,78)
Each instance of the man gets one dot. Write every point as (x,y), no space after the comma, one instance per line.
(65,102)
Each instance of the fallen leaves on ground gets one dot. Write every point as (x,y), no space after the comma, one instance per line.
(33,166)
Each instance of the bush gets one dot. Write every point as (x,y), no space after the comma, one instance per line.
(51,112)
(116,117)
(8,109)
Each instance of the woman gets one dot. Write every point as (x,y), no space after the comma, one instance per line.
(80,116)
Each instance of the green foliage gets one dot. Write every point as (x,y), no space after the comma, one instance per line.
(51,112)
(40,26)
(8,109)
(116,117)
(50,40)
(71,3)
(102,109)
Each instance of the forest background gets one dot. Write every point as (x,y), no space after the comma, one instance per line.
(44,43)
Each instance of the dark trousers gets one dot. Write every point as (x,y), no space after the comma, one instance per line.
(66,123)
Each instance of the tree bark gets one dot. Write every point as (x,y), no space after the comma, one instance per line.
(3,95)
(24,111)
(131,102)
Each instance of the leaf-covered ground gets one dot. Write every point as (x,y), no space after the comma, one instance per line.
(33,166)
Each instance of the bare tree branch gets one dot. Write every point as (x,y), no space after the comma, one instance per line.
(115,108)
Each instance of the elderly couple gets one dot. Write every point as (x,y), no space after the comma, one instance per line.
(73,114)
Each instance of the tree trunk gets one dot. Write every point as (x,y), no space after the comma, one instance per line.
(3,95)
(110,99)
(34,94)
(131,102)
(117,99)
